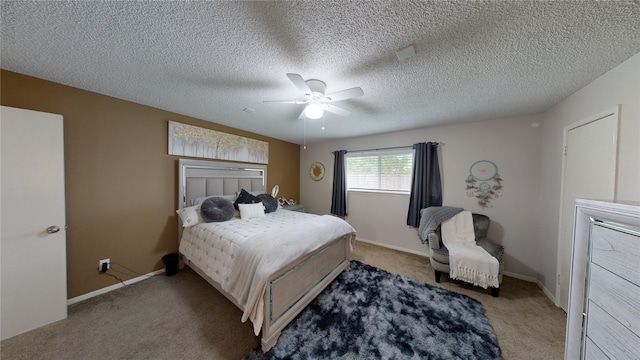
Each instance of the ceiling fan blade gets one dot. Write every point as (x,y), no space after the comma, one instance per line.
(336,110)
(346,94)
(286,101)
(299,82)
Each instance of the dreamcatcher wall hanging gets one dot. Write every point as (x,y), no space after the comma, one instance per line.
(484,182)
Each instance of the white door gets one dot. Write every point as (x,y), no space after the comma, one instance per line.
(589,172)
(33,253)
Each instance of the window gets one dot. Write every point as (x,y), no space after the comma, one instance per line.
(380,170)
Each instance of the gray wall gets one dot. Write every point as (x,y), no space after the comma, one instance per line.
(513,144)
(619,86)
(525,220)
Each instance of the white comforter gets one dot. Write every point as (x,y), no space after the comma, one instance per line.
(240,255)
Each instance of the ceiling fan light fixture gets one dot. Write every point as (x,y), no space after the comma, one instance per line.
(314,111)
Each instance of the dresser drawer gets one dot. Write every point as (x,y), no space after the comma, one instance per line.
(616,251)
(619,297)
(592,352)
(615,340)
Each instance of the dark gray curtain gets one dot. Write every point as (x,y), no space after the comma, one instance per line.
(426,189)
(339,193)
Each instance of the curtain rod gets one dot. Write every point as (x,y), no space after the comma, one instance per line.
(391,148)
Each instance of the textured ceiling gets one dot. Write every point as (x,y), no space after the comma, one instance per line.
(210,60)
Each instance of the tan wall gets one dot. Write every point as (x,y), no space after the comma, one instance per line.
(121,185)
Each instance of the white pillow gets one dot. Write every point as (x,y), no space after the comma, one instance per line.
(190,215)
(248,211)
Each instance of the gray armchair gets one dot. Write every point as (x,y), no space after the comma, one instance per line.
(439,254)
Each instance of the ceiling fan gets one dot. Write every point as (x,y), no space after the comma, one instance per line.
(316,100)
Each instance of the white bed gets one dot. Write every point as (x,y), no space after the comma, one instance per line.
(270,267)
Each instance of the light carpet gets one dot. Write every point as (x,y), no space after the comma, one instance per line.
(183,317)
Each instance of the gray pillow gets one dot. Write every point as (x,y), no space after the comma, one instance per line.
(216,209)
(200,200)
(269,202)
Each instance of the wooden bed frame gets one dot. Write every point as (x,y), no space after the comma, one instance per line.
(293,287)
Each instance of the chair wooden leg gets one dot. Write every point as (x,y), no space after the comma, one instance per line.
(438,273)
(495,291)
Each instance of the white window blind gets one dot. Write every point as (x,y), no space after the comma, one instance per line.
(380,170)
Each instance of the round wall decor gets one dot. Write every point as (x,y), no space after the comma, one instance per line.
(480,174)
(483,170)
(316,171)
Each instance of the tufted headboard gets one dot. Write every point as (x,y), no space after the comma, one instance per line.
(199,178)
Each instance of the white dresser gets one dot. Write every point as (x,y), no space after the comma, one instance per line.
(604,300)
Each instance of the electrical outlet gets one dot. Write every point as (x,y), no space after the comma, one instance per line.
(104,265)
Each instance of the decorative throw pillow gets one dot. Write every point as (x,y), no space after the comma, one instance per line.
(200,200)
(189,215)
(245,197)
(216,209)
(248,211)
(270,203)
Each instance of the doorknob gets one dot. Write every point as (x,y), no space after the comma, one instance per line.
(53,229)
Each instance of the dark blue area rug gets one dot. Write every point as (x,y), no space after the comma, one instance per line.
(368,313)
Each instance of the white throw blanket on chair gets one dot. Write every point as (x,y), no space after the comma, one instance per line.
(468,261)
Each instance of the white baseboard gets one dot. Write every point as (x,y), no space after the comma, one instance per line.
(551,296)
(113,287)
(425,254)
(521,277)
(534,280)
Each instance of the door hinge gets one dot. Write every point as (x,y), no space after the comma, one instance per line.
(558,279)
(566,149)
